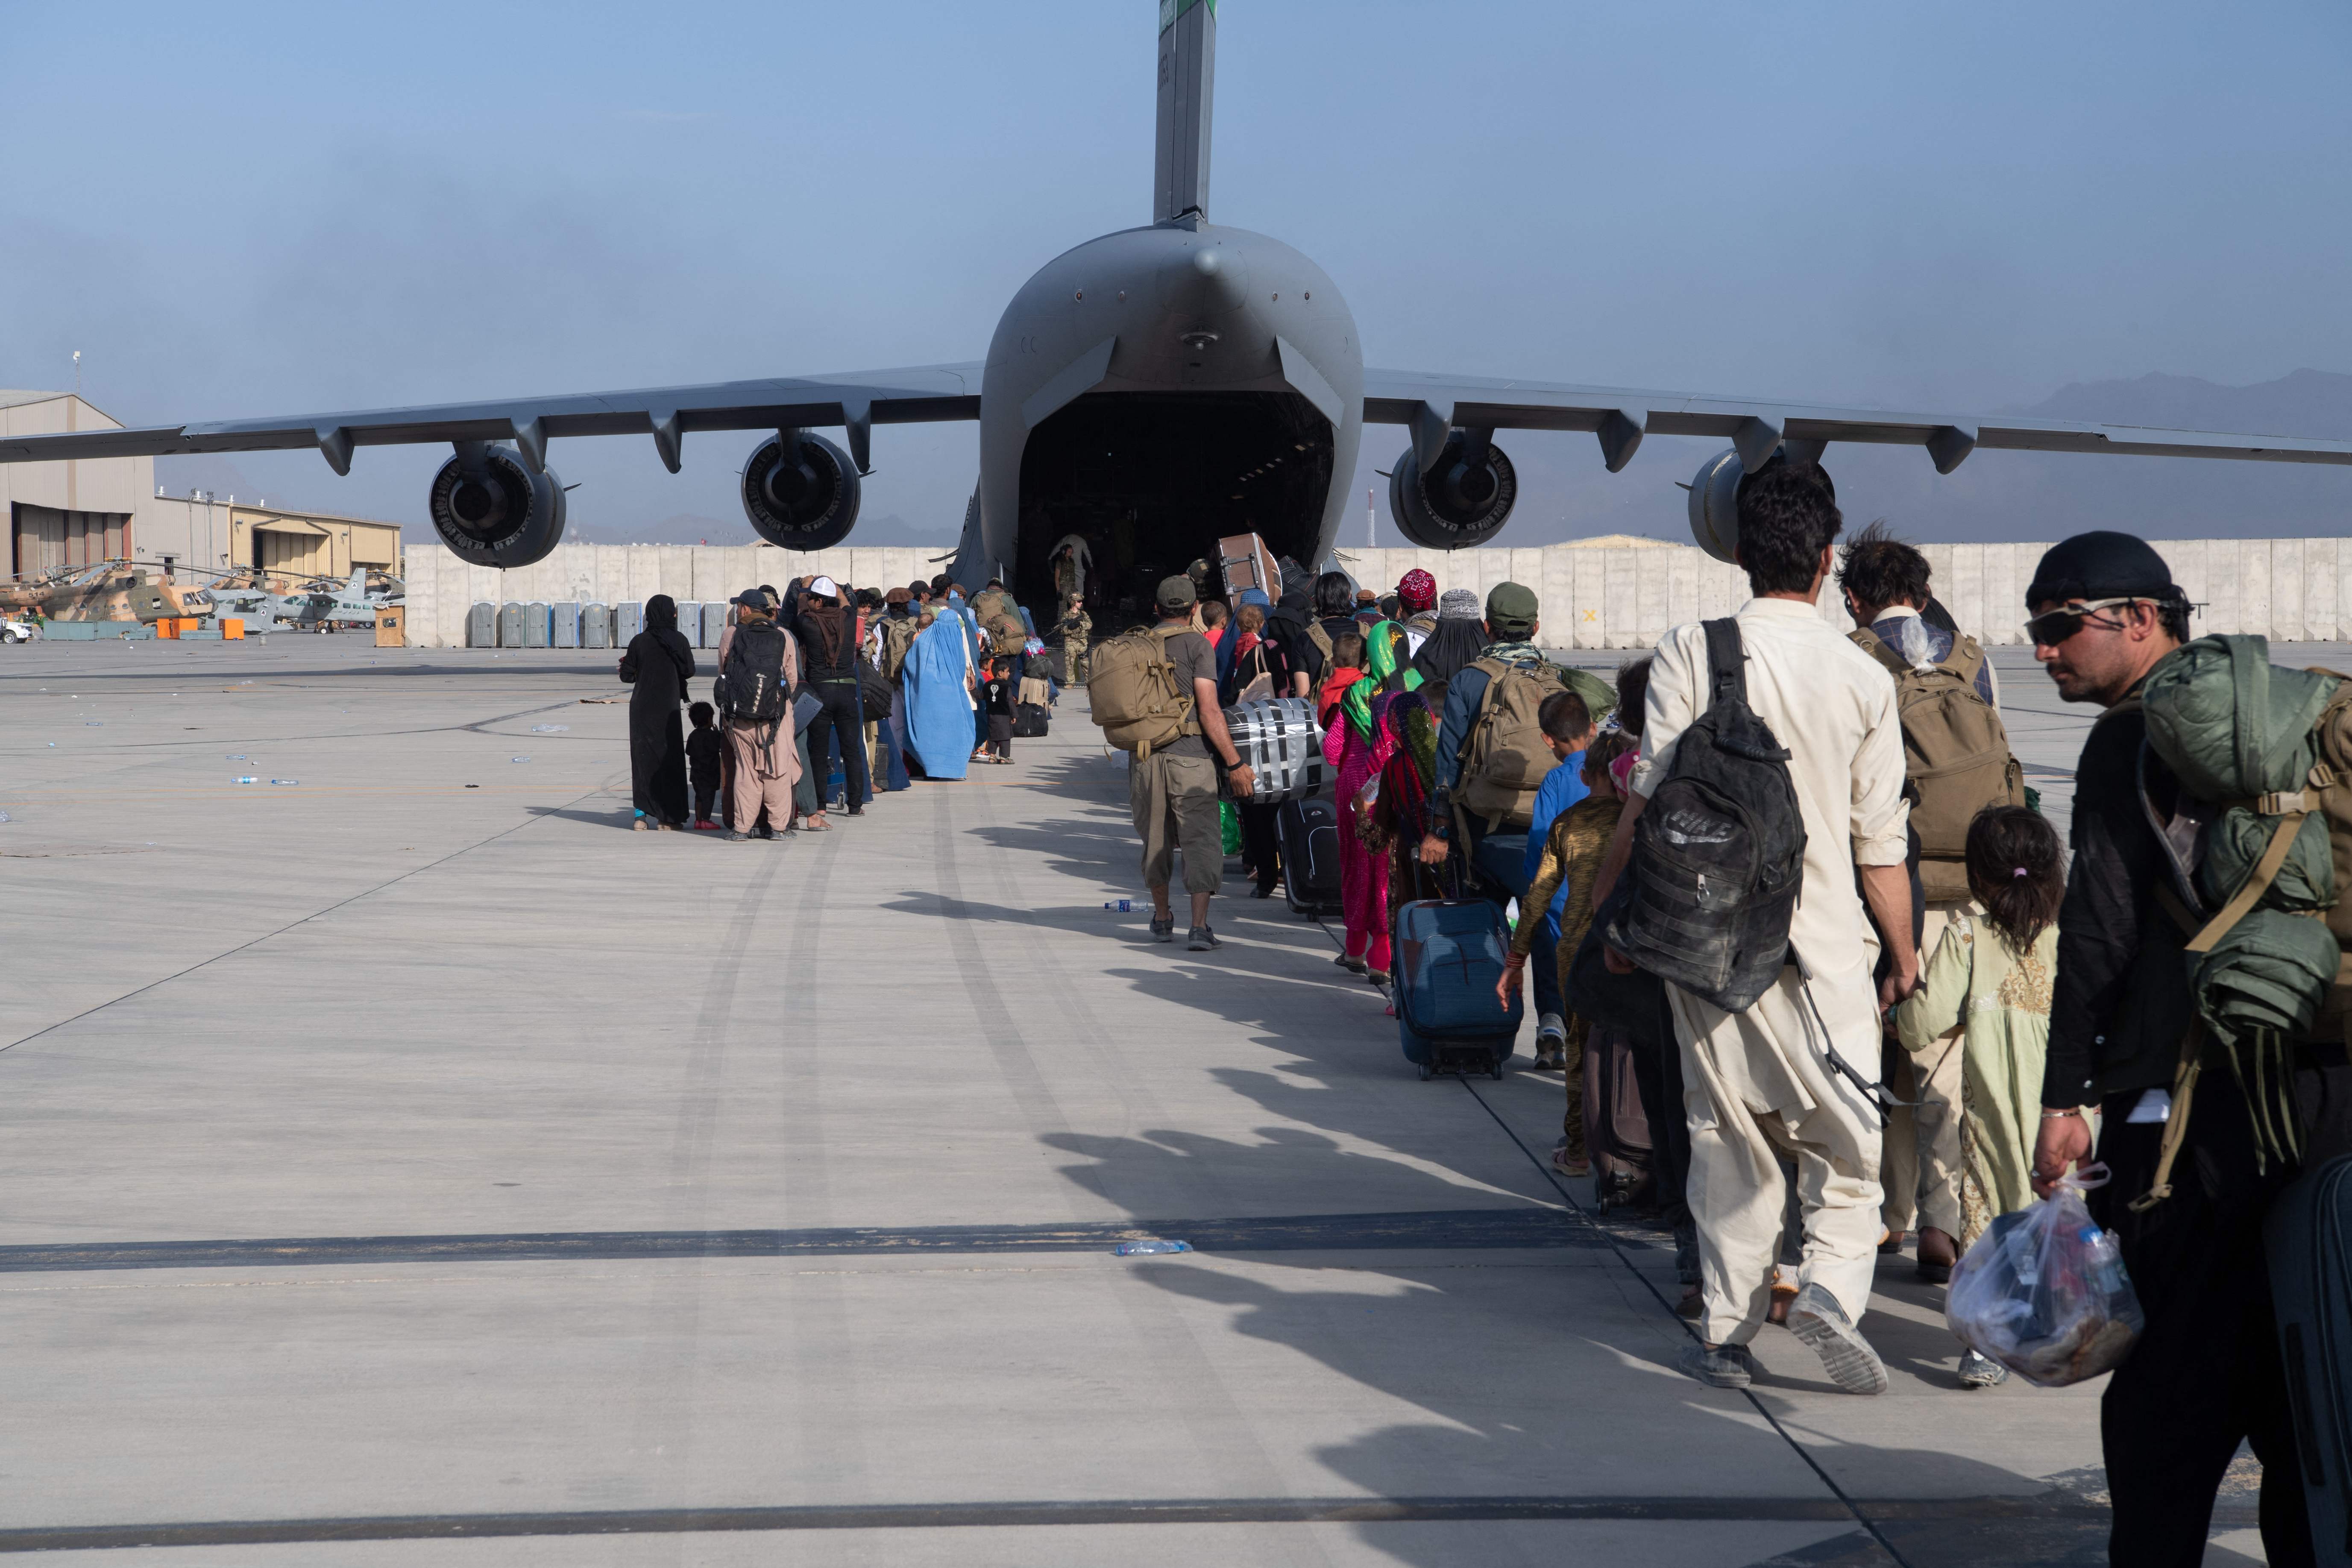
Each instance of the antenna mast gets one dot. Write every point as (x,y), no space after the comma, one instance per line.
(1187,70)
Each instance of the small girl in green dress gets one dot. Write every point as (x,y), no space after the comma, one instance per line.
(1993,971)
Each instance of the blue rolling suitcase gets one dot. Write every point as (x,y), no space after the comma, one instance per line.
(2308,1237)
(1449,954)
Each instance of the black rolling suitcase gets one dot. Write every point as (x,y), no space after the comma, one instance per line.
(1307,832)
(2308,1237)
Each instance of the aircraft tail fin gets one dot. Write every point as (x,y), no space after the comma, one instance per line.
(357,587)
(1188,69)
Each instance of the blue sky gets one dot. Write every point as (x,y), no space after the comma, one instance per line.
(253,209)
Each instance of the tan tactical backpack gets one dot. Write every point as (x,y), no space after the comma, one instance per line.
(1956,757)
(897,637)
(1506,756)
(1136,695)
(990,602)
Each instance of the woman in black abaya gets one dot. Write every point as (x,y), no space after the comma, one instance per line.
(658,664)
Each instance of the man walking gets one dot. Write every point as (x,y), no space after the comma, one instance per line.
(1886,587)
(1173,792)
(1766,1084)
(2206,1372)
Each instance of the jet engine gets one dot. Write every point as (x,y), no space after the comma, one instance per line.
(490,510)
(1715,506)
(801,492)
(1715,498)
(1464,499)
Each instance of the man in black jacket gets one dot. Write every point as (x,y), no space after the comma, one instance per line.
(2206,1373)
(827,631)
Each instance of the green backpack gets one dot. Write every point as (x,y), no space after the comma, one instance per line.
(2267,751)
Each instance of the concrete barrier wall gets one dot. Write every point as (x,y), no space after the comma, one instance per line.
(1605,596)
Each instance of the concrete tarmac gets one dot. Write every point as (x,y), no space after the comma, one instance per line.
(408,1164)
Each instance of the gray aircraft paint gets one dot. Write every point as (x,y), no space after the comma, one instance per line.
(1281,326)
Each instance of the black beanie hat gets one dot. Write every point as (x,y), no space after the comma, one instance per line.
(2101,566)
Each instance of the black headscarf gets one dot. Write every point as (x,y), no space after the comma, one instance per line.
(1450,647)
(661,625)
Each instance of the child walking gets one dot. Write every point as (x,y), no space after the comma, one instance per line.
(705,754)
(1993,971)
(1348,746)
(1572,854)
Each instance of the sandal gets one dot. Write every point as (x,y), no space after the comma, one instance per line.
(1784,1292)
(816,825)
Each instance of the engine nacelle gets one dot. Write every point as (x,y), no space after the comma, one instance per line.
(803,498)
(1463,502)
(490,510)
(1715,506)
(1715,500)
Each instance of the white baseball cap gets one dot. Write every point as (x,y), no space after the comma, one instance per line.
(825,588)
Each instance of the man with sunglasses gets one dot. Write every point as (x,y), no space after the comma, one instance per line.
(2206,1373)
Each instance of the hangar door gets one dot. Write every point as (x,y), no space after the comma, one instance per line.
(43,538)
(281,551)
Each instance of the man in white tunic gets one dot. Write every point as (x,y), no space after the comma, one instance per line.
(1760,1085)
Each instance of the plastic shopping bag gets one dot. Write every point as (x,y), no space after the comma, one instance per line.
(2044,1293)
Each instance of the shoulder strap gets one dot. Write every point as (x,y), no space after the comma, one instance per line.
(1966,660)
(1869,642)
(1727,661)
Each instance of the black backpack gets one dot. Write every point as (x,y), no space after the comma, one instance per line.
(1720,852)
(752,685)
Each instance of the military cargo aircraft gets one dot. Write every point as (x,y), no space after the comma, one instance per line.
(1153,389)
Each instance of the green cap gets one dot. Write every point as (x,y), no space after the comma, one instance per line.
(1176,592)
(1511,605)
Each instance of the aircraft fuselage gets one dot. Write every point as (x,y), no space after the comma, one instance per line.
(1155,389)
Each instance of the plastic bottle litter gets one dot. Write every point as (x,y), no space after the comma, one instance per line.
(518,758)
(1124,906)
(93,723)
(246,778)
(1149,1249)
(549,729)
(6,817)
(285,780)
(238,757)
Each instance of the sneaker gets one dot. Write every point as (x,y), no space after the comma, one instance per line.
(1551,1026)
(1550,1058)
(1816,1318)
(1719,1366)
(1201,939)
(732,836)
(704,825)
(1981,1371)
(1163,931)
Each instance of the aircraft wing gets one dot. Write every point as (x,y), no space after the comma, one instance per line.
(1620,416)
(857,401)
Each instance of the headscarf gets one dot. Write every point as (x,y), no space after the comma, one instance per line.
(1450,647)
(661,625)
(1404,753)
(1416,590)
(1381,670)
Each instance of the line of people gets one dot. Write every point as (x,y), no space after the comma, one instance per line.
(1959,1009)
(890,687)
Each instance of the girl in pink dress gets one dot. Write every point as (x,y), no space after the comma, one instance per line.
(1363,873)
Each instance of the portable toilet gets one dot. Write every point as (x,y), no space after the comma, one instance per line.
(628,620)
(689,620)
(535,623)
(567,624)
(482,626)
(596,625)
(714,622)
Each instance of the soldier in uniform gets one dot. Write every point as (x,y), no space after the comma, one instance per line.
(1076,629)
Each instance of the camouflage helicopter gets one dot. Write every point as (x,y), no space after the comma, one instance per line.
(115,590)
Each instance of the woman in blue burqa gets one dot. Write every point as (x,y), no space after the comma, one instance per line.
(938,684)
